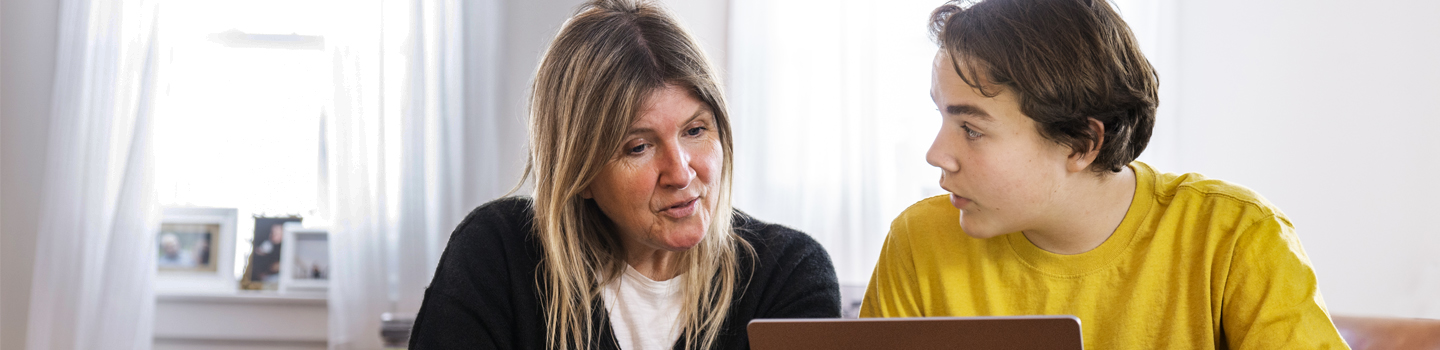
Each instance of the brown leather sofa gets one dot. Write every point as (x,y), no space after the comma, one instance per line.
(1389,333)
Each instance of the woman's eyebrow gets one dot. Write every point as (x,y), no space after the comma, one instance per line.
(700,112)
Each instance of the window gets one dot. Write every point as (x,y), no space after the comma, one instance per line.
(237,117)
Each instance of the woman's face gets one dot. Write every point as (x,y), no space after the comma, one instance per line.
(661,187)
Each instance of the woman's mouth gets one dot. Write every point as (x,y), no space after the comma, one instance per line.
(682,209)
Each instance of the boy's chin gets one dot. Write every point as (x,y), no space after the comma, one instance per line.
(977,230)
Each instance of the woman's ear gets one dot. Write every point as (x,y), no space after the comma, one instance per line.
(1081,161)
(586,194)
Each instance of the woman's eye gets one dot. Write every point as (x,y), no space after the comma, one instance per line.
(695,131)
(637,149)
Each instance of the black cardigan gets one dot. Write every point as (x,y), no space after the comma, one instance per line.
(485,294)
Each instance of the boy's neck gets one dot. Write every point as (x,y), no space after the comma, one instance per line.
(1086,217)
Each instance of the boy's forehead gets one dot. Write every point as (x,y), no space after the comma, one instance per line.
(954,96)
(941,65)
(945,79)
(941,55)
(945,65)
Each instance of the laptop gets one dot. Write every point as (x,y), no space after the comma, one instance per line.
(1002,333)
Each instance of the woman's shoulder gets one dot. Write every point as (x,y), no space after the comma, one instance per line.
(790,276)
(505,219)
(513,205)
(514,209)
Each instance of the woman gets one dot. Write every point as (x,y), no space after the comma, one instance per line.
(629,241)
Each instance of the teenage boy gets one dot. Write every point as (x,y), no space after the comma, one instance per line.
(1045,106)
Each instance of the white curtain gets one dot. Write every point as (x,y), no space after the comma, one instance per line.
(832,117)
(394,134)
(95,257)
(832,114)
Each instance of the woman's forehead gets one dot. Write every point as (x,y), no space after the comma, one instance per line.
(672,105)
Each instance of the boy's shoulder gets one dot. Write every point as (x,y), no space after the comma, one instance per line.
(930,213)
(935,206)
(1197,191)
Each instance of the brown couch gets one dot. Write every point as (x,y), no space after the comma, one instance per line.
(1389,333)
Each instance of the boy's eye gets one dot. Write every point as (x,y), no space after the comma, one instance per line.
(970,133)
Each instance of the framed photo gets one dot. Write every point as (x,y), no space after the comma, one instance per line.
(195,250)
(262,272)
(305,263)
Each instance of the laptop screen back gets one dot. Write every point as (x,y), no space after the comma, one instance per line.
(1003,333)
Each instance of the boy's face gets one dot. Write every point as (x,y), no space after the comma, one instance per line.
(1000,172)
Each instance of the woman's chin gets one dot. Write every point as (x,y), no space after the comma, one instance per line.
(683,239)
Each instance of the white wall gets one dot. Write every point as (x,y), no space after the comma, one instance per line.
(27,41)
(1328,108)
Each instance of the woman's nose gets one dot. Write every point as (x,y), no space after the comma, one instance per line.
(675,169)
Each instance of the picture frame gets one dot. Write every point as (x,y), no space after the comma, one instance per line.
(305,263)
(195,250)
(262,267)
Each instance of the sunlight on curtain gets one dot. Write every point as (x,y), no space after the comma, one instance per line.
(832,118)
(394,148)
(94,263)
(832,110)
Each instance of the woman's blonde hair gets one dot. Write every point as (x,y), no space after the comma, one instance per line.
(591,84)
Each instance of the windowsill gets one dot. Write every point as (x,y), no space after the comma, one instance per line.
(244,297)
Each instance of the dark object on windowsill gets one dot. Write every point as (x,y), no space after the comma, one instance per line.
(395,329)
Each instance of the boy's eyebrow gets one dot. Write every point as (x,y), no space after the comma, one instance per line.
(967,109)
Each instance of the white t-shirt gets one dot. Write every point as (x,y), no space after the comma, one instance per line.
(643,312)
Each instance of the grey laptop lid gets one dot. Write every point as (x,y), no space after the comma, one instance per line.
(1003,333)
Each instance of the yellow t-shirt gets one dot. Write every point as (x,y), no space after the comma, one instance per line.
(1196,263)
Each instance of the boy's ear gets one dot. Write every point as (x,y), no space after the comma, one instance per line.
(1081,161)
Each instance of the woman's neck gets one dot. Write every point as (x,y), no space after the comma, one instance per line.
(655,264)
